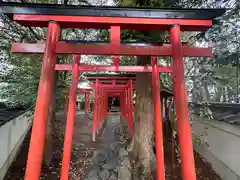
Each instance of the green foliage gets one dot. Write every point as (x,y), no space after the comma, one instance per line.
(19,74)
(217,79)
(21,80)
(206,78)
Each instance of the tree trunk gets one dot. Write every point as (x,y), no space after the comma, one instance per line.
(48,150)
(141,146)
(206,92)
(195,89)
(218,93)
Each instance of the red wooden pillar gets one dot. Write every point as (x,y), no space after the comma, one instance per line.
(121,105)
(103,105)
(95,109)
(115,36)
(115,43)
(125,105)
(158,120)
(180,98)
(116,61)
(99,104)
(70,121)
(36,148)
(106,108)
(99,109)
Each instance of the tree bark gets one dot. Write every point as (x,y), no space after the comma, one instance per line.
(218,94)
(141,146)
(48,150)
(206,92)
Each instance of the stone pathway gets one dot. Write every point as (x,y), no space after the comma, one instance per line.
(104,159)
(110,159)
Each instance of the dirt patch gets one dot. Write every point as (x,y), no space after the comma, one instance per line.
(204,170)
(82,150)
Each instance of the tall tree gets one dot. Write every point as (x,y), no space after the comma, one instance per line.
(142,141)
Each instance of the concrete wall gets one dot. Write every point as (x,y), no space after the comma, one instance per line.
(12,135)
(221,146)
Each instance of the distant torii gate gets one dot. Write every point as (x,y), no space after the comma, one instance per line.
(86,93)
(115,18)
(116,86)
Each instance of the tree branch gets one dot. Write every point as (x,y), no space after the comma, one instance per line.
(34,33)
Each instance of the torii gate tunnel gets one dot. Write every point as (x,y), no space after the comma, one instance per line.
(86,93)
(116,87)
(57,17)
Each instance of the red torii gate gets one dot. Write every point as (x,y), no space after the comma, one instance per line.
(123,91)
(34,15)
(86,93)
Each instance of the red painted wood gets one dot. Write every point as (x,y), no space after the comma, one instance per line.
(113,87)
(84,91)
(107,22)
(106,108)
(36,148)
(123,96)
(181,102)
(52,47)
(120,81)
(100,107)
(115,40)
(121,106)
(116,61)
(97,68)
(70,121)
(113,94)
(158,121)
(107,49)
(116,89)
(95,110)
(110,78)
(126,104)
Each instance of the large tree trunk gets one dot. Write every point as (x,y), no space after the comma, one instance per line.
(48,150)
(207,95)
(218,94)
(142,143)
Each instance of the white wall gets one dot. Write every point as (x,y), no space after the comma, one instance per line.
(12,135)
(221,146)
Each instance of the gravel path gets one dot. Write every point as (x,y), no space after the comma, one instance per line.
(103,159)
(110,159)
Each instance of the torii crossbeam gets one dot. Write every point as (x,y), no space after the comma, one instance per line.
(55,17)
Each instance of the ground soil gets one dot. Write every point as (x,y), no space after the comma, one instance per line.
(83,150)
(204,170)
